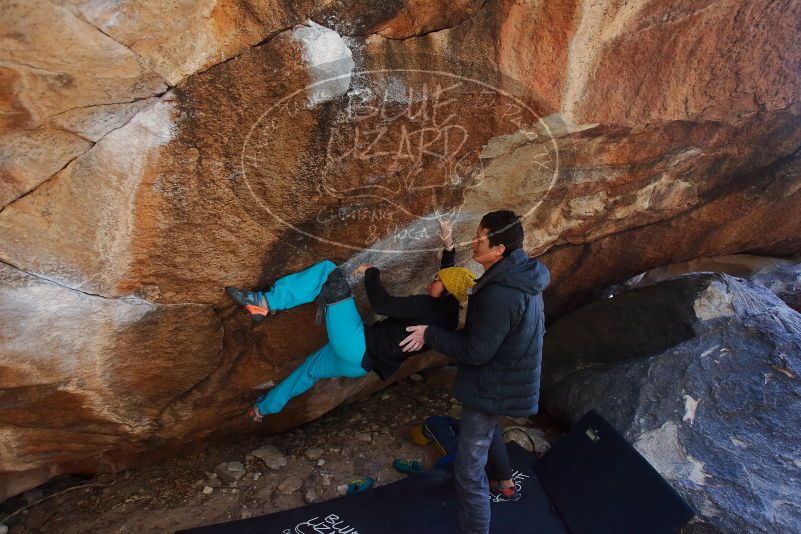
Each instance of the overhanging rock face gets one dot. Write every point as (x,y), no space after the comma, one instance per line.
(143,171)
(701,375)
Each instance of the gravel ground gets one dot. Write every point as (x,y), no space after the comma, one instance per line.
(259,475)
(355,440)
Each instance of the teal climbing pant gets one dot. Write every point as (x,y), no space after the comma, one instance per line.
(341,356)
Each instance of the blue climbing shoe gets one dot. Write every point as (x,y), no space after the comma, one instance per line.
(359,486)
(409,467)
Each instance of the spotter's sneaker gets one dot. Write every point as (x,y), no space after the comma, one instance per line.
(503,495)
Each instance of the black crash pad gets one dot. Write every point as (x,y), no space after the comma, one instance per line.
(591,482)
(415,505)
(600,484)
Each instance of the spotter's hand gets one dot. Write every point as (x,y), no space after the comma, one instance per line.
(415,340)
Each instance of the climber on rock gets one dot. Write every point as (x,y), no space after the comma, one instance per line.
(353,348)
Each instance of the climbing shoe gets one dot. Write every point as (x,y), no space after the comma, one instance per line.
(410,467)
(359,486)
(255,415)
(255,302)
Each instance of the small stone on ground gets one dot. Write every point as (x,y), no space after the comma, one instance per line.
(230,471)
(313,453)
(290,485)
(270,456)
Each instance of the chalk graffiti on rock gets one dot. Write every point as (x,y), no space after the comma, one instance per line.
(400,147)
(410,142)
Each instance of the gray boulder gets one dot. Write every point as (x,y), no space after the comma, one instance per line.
(780,275)
(702,375)
(784,280)
(629,325)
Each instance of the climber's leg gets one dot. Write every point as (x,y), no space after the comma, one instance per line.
(321,364)
(346,336)
(343,355)
(299,288)
(287,292)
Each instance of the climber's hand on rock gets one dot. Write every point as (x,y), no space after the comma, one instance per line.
(445,233)
(255,415)
(415,340)
(361,269)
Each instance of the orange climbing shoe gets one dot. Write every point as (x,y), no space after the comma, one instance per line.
(255,302)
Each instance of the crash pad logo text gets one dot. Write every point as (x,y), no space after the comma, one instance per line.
(330,524)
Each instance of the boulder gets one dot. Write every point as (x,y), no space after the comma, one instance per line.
(441,378)
(144,171)
(781,276)
(59,103)
(784,280)
(701,374)
(632,324)
(98,373)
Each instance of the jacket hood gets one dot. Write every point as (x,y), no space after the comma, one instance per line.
(518,271)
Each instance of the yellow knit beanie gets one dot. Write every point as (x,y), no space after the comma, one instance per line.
(457,280)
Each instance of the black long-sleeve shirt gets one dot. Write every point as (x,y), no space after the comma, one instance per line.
(383,337)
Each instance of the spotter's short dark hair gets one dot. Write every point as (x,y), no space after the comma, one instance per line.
(503,228)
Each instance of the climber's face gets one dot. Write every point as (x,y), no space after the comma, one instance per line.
(436,287)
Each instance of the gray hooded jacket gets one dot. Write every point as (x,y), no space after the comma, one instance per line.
(499,352)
